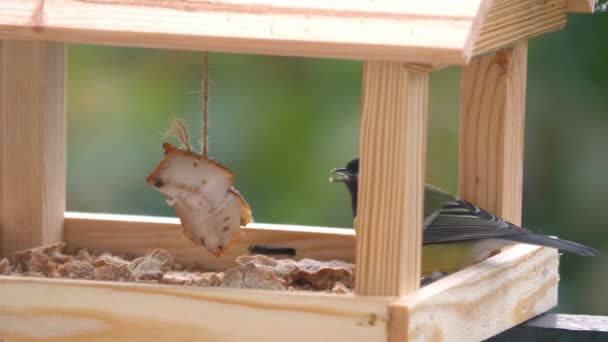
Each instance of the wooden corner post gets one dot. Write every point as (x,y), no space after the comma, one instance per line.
(33,148)
(492,149)
(492,131)
(391,179)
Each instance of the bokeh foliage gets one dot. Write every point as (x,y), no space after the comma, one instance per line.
(282,123)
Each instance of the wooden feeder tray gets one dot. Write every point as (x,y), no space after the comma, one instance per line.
(400,42)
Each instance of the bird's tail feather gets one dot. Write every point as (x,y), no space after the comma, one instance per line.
(548,241)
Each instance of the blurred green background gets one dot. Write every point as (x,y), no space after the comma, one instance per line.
(282,123)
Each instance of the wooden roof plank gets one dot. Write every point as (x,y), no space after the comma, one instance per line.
(581,6)
(410,31)
(441,32)
(510,21)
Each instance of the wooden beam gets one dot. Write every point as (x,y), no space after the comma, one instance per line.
(444,32)
(554,327)
(480,301)
(441,32)
(33,148)
(510,21)
(582,6)
(492,155)
(138,234)
(492,131)
(73,310)
(391,179)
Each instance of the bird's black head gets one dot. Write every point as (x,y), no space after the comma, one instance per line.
(349,175)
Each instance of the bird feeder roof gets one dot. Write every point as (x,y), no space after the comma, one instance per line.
(439,32)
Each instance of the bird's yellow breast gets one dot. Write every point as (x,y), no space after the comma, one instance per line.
(452,257)
(445,257)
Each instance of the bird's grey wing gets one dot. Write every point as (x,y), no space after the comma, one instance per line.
(459,220)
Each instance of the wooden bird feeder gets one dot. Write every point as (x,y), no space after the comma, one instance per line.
(400,42)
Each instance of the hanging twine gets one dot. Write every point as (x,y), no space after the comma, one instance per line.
(178,127)
(205,86)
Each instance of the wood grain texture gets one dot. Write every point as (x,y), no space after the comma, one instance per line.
(492,131)
(582,6)
(32,153)
(34,309)
(480,301)
(439,32)
(139,234)
(444,32)
(511,21)
(391,179)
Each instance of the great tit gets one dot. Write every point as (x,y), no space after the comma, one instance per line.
(457,233)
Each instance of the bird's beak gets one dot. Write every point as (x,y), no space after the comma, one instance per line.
(339,175)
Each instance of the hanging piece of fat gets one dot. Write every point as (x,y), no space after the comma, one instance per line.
(210,210)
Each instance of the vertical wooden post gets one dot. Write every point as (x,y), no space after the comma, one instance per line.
(492,131)
(33,149)
(391,179)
